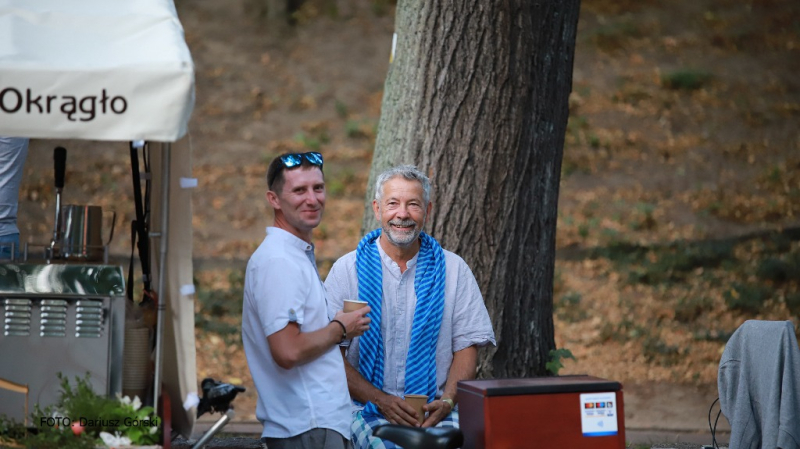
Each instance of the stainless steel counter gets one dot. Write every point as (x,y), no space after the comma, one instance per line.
(60,318)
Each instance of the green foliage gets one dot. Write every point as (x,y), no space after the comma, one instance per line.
(221,310)
(575,125)
(614,36)
(721,336)
(313,142)
(685,79)
(690,308)
(80,405)
(558,281)
(793,303)
(83,402)
(583,230)
(638,446)
(556,356)
(341,109)
(611,235)
(58,439)
(578,134)
(590,225)
(382,7)
(218,303)
(334,187)
(746,298)
(758,270)
(624,331)
(656,350)
(568,307)
(360,129)
(778,269)
(632,95)
(643,217)
(10,431)
(668,263)
(342,181)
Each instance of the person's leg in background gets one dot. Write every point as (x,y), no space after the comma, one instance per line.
(7,242)
(13,152)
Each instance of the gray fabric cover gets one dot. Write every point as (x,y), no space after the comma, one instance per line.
(759,386)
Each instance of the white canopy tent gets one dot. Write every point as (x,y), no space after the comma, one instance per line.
(116,70)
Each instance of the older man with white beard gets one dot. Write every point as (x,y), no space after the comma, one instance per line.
(428,315)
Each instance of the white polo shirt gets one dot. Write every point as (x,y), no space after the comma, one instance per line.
(282,285)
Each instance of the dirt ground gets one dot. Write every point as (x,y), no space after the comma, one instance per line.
(683,127)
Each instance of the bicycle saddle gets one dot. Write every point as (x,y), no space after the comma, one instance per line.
(419,437)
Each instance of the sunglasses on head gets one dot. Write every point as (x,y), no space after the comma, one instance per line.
(292,160)
(295,159)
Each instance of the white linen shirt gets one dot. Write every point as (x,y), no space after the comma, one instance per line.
(282,285)
(465,321)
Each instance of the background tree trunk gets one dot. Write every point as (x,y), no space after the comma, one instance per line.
(477,97)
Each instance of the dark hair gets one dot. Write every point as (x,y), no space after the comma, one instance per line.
(275,176)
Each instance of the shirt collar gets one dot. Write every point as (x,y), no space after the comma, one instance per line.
(289,238)
(391,263)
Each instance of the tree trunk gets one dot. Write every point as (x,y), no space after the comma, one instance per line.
(477,97)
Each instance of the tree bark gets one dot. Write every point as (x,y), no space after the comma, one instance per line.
(477,98)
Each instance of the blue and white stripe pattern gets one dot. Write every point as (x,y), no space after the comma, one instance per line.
(429,282)
(370,290)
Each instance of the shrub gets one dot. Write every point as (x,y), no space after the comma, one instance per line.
(747,298)
(793,303)
(568,307)
(655,350)
(616,35)
(779,270)
(556,357)
(685,79)
(92,419)
(221,310)
(690,308)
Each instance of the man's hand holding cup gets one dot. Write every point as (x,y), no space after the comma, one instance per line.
(354,317)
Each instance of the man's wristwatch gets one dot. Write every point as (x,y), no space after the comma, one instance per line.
(450,403)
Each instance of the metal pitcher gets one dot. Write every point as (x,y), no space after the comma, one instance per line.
(81,231)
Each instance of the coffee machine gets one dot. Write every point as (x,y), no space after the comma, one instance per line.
(63,310)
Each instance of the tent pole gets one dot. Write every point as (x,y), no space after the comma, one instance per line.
(162,268)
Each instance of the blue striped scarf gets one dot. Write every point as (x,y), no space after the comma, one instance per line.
(429,289)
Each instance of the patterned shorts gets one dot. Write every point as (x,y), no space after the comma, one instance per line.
(362,430)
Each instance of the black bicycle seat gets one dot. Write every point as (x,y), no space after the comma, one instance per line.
(420,437)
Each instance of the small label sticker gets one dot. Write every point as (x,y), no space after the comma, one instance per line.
(292,316)
(192,400)
(394,45)
(188,183)
(599,414)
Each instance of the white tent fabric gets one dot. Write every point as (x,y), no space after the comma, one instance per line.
(114,70)
(179,368)
(94,69)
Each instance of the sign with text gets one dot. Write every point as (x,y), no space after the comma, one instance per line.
(598,414)
(93,69)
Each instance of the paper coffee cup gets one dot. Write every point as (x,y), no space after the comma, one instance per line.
(351,305)
(417,401)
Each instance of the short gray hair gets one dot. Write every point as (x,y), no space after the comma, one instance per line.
(408,172)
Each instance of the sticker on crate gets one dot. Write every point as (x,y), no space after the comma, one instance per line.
(599,414)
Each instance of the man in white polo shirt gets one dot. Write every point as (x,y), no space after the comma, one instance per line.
(290,342)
